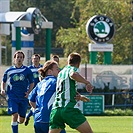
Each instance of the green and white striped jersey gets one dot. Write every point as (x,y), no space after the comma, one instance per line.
(66,88)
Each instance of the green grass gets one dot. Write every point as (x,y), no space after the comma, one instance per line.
(99,124)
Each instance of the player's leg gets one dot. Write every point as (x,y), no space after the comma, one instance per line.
(26,121)
(57,131)
(76,120)
(22,109)
(30,113)
(14,123)
(54,130)
(21,119)
(56,122)
(84,128)
(13,109)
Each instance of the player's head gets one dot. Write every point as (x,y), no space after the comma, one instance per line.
(36,59)
(36,55)
(19,52)
(49,68)
(74,59)
(55,58)
(19,57)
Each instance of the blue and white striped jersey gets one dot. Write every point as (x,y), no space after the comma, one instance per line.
(17,80)
(43,94)
(35,73)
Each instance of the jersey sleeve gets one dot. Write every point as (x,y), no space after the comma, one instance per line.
(73,70)
(33,94)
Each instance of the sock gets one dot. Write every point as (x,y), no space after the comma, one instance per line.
(29,114)
(14,127)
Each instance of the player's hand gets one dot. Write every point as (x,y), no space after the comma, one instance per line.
(84,98)
(78,96)
(3,93)
(26,94)
(89,88)
(81,97)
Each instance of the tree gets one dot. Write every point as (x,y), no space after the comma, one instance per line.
(70,18)
(76,39)
(57,11)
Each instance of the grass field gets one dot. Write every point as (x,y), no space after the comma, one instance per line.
(99,124)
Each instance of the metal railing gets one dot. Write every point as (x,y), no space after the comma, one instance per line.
(112,100)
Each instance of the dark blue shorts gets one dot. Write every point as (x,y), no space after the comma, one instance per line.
(17,106)
(43,128)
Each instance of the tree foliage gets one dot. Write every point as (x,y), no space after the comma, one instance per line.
(77,40)
(57,11)
(70,18)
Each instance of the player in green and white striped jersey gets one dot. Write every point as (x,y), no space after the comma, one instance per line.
(64,110)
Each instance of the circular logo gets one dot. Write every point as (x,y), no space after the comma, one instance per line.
(15,77)
(100,28)
(35,75)
(21,77)
(36,20)
(24,32)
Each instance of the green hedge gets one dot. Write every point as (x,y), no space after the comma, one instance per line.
(115,112)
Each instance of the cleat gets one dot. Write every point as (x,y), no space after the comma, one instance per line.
(26,121)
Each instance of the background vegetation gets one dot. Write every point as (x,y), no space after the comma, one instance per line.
(107,112)
(70,18)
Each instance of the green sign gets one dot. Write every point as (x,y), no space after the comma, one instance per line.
(95,106)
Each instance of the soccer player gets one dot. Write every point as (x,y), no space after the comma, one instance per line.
(55,58)
(34,68)
(42,96)
(17,78)
(64,110)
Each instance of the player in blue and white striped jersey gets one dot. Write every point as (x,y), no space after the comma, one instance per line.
(43,95)
(17,78)
(34,68)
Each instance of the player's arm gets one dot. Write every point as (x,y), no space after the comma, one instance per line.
(30,87)
(3,86)
(81,97)
(31,82)
(76,76)
(29,90)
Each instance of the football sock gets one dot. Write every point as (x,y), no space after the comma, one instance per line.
(29,114)
(14,127)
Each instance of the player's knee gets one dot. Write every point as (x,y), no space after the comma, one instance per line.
(20,121)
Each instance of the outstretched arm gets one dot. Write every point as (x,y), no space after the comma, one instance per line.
(76,76)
